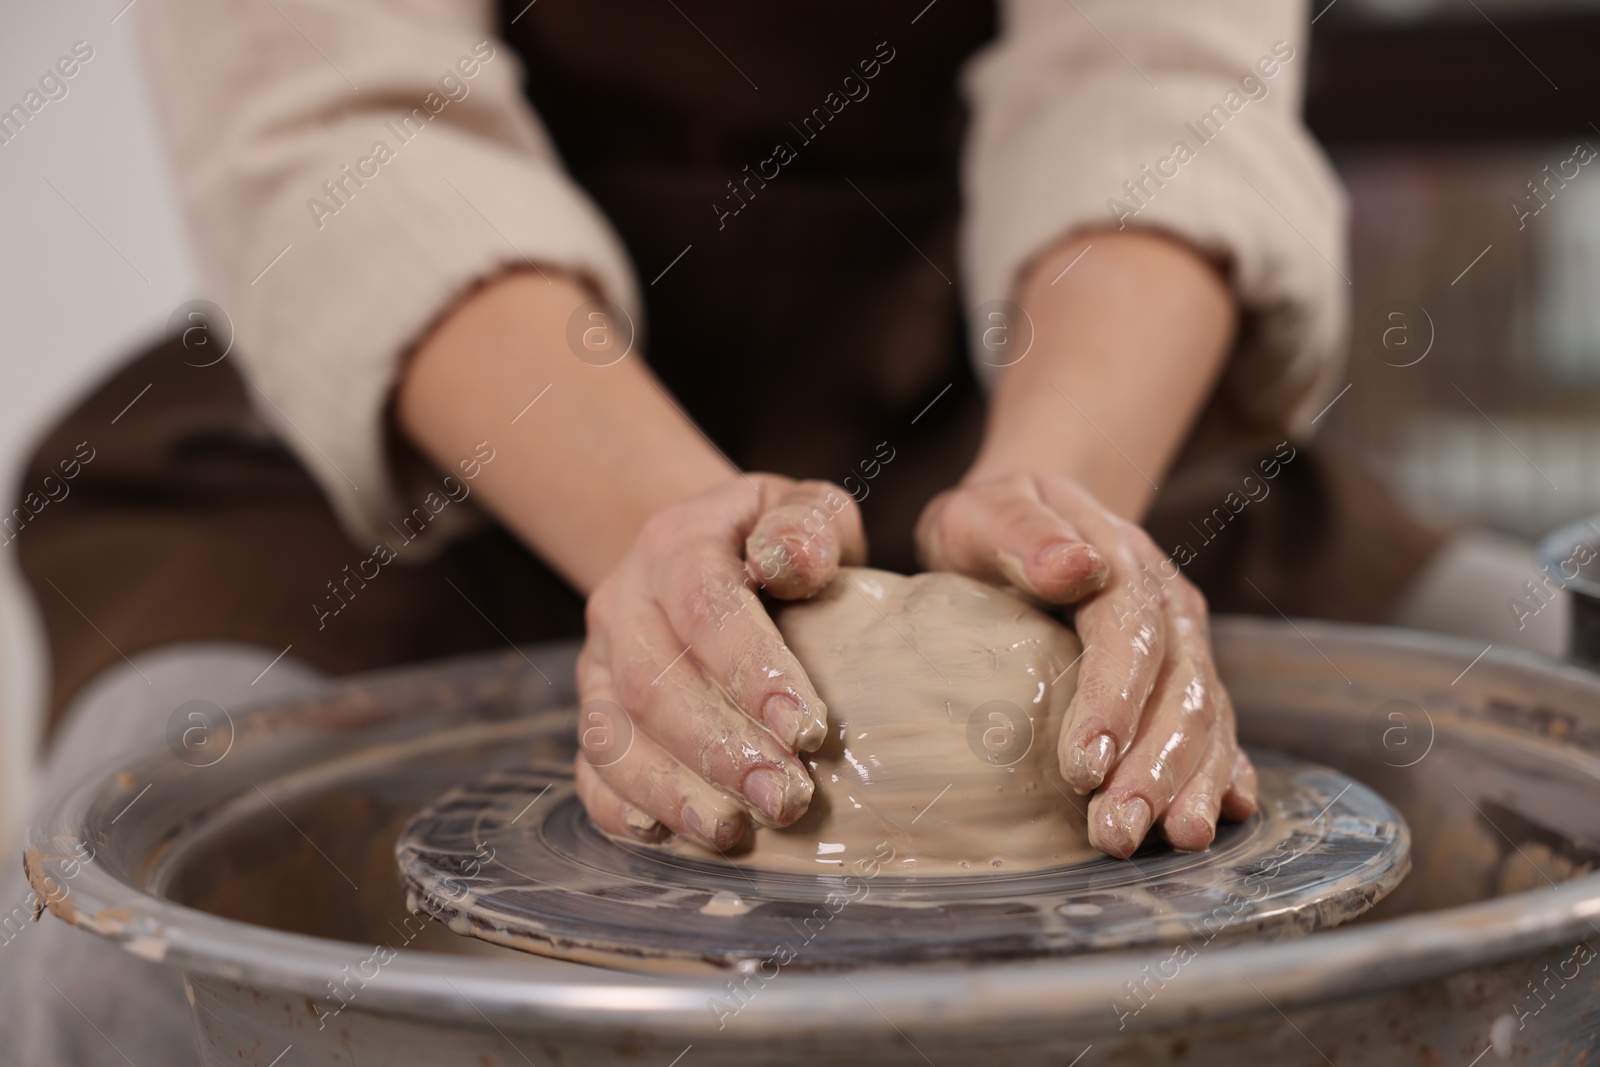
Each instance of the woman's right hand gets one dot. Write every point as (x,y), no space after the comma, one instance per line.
(692,710)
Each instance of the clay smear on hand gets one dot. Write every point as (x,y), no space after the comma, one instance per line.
(945,699)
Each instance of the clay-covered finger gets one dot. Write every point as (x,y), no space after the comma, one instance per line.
(639,770)
(1124,630)
(1144,783)
(801,540)
(611,811)
(648,777)
(1239,802)
(1191,822)
(1184,710)
(1005,533)
(724,625)
(1124,644)
(1222,787)
(668,696)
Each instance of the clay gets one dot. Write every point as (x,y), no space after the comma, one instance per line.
(945,699)
(1322,849)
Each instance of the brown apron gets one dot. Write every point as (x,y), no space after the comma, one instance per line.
(785,178)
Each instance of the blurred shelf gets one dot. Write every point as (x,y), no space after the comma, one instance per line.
(1524,474)
(1457,72)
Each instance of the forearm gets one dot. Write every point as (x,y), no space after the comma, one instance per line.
(1128,344)
(579,472)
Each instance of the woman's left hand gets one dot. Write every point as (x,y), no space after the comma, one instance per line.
(1150,730)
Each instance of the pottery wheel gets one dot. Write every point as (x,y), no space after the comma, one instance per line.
(513,859)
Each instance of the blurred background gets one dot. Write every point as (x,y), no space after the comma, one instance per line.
(1438,113)
(1475,352)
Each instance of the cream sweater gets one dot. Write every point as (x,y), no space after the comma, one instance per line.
(333,254)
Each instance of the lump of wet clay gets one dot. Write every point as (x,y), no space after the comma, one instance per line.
(945,701)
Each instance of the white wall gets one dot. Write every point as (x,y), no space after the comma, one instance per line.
(88,270)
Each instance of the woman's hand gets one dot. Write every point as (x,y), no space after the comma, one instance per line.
(1150,729)
(692,708)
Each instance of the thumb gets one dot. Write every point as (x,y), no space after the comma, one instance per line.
(801,539)
(1005,534)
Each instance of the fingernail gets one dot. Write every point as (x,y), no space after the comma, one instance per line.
(641,825)
(1123,823)
(775,558)
(1194,830)
(1092,761)
(719,834)
(814,730)
(1065,556)
(768,790)
(784,714)
(1058,554)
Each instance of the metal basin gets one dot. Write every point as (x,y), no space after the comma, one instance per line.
(268,880)
(1570,561)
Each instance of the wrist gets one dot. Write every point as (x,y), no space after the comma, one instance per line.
(1130,333)
(1014,455)
(591,451)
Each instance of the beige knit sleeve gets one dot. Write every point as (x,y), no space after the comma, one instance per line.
(350,168)
(1178,116)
